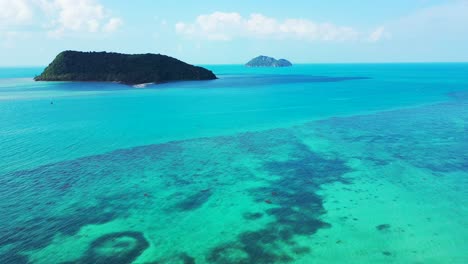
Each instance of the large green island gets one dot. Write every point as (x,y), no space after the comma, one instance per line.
(123,68)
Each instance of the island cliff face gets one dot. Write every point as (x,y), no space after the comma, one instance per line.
(124,68)
(264,61)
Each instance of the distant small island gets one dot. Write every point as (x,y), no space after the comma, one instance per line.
(264,61)
(123,68)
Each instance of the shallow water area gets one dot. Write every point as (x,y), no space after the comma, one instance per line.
(313,164)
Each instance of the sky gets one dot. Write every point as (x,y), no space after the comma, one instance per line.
(33,32)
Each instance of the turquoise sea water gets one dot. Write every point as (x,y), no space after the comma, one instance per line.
(333,163)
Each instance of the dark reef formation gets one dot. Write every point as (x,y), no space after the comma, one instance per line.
(124,68)
(264,61)
(383,227)
(116,248)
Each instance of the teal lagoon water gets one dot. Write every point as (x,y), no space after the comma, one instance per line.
(332,163)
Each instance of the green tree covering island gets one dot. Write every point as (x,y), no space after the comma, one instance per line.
(123,68)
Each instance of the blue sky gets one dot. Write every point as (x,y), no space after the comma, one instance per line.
(32,32)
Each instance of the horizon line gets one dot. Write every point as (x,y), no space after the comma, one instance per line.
(299,63)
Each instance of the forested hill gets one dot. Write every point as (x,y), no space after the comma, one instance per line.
(124,68)
(265,61)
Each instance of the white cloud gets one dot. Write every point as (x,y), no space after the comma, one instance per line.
(78,16)
(113,24)
(378,34)
(260,24)
(13,16)
(216,26)
(15,12)
(227,26)
(59,16)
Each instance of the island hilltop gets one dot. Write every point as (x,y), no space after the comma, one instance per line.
(124,68)
(264,61)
